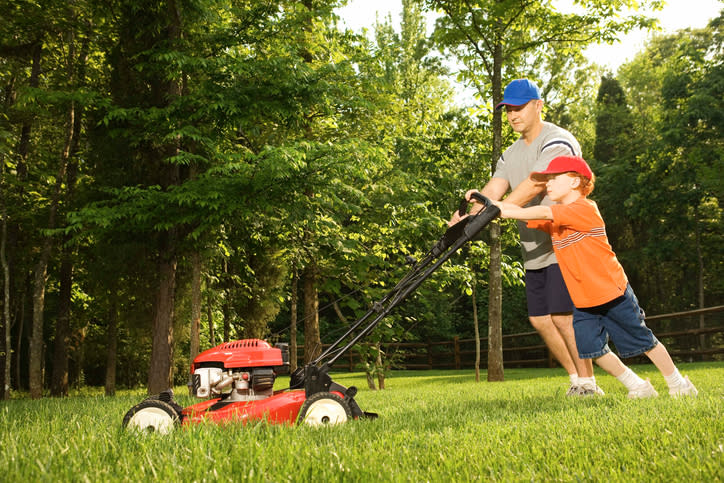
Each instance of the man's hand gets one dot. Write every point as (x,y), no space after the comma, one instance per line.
(476,208)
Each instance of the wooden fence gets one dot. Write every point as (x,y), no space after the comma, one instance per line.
(696,335)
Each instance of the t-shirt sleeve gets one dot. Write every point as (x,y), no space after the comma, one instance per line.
(559,143)
(501,169)
(579,216)
(542,225)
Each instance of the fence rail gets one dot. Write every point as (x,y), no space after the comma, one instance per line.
(695,335)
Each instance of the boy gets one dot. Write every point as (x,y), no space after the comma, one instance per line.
(605,305)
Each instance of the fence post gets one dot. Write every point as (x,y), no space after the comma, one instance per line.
(429,353)
(456,343)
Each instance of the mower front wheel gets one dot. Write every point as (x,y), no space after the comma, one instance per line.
(151,416)
(324,408)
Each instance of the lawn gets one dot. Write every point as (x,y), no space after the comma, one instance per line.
(433,426)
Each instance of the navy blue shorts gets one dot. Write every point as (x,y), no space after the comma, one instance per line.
(621,319)
(546,292)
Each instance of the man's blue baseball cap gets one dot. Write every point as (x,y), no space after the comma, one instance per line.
(519,92)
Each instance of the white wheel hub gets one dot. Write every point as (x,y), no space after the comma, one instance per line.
(152,420)
(325,412)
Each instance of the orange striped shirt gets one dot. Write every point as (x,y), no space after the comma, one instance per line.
(592,273)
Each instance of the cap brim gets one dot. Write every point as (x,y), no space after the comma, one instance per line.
(541,175)
(514,101)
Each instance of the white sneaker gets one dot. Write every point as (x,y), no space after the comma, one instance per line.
(585,390)
(686,389)
(573,390)
(642,391)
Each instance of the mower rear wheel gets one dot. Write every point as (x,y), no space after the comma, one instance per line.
(324,408)
(151,416)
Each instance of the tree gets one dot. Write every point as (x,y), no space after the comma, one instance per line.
(671,90)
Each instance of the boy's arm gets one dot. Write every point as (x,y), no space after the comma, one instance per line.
(510,210)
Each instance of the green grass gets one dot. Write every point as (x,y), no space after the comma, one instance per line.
(433,426)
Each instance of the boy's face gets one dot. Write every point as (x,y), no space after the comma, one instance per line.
(560,185)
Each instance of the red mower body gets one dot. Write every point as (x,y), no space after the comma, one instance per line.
(281,408)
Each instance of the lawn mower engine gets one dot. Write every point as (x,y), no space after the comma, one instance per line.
(245,369)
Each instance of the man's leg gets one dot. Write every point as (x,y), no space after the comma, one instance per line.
(546,292)
(554,340)
(564,325)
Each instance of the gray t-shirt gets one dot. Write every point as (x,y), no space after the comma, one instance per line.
(516,164)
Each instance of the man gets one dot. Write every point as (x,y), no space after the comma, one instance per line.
(549,306)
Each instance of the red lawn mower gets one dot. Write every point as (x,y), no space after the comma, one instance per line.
(236,378)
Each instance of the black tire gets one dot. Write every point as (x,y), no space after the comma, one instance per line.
(151,416)
(324,408)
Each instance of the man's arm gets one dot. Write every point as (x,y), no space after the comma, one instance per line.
(494,189)
(525,191)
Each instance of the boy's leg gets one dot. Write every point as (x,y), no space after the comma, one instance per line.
(678,385)
(662,360)
(625,322)
(637,387)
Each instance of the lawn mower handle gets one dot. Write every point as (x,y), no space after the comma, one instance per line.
(463,208)
(314,377)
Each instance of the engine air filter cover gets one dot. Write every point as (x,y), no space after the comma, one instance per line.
(240,353)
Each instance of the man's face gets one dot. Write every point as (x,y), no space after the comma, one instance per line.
(523,118)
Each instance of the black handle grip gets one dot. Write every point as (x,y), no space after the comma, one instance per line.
(463,209)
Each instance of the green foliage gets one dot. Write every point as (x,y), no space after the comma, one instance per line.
(657,185)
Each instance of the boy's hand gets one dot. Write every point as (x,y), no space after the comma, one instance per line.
(505,208)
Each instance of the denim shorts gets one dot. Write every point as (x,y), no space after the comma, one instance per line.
(620,319)
(546,292)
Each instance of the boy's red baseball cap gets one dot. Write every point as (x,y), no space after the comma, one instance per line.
(566,164)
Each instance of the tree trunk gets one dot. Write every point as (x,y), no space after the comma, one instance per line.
(293,364)
(700,279)
(476,326)
(160,372)
(6,331)
(59,377)
(495,284)
(35,372)
(21,330)
(195,304)
(160,375)
(5,348)
(380,367)
(226,310)
(370,381)
(210,318)
(312,340)
(495,310)
(35,365)
(112,355)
